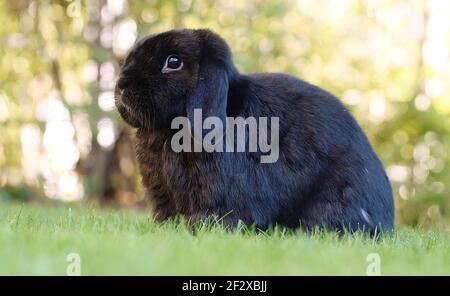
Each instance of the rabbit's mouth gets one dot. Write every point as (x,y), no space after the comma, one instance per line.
(126,114)
(123,98)
(118,95)
(126,110)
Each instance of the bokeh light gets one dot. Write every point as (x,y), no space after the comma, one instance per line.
(389,62)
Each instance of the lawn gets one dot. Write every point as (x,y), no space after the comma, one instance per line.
(36,240)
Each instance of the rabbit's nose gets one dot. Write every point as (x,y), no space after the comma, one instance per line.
(123,82)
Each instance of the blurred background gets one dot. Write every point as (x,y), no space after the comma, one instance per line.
(61,139)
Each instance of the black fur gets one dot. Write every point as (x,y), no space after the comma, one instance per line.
(327,174)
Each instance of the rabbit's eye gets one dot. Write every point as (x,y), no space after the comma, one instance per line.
(173,63)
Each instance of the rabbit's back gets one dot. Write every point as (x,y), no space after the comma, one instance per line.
(344,182)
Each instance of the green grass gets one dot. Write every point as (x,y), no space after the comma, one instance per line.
(35,240)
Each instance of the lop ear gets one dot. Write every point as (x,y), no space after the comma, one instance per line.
(211,92)
(209,96)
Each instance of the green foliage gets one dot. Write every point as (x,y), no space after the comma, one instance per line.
(387,60)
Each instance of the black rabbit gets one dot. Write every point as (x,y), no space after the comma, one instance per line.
(327,174)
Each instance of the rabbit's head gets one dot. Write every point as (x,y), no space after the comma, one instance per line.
(170,74)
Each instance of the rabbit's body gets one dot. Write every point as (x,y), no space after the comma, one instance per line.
(327,174)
